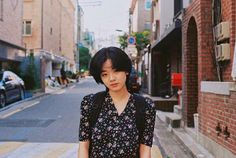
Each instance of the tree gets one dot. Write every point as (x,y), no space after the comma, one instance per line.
(142,40)
(84,57)
(30,74)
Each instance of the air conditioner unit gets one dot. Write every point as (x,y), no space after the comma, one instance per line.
(222,31)
(223,52)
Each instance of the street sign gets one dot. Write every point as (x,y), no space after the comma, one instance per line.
(131,40)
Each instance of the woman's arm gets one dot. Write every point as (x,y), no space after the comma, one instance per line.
(84,129)
(145,151)
(83,151)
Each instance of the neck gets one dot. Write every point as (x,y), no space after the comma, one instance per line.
(119,94)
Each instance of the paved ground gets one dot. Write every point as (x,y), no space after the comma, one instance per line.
(47,150)
(13,149)
(168,143)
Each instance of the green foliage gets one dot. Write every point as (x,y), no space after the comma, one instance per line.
(123,41)
(29,76)
(84,57)
(142,40)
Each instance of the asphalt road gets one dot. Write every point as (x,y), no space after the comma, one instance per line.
(47,127)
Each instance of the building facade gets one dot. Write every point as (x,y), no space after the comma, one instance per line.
(209,30)
(199,43)
(12,51)
(139,21)
(49,33)
(166,45)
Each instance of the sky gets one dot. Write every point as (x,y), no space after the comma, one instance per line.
(106,18)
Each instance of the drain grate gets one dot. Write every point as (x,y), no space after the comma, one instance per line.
(25,122)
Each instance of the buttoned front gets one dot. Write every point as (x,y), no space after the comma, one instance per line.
(115,135)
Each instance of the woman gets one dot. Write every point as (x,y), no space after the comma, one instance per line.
(115,133)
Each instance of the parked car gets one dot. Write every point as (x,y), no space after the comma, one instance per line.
(134,86)
(12,88)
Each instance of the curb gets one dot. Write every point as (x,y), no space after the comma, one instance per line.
(193,147)
(39,95)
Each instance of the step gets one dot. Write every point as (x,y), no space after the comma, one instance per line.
(195,148)
(173,120)
(178,109)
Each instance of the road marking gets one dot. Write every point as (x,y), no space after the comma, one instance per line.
(9,147)
(33,104)
(48,150)
(38,150)
(56,151)
(10,113)
(72,87)
(60,92)
(18,110)
(155,152)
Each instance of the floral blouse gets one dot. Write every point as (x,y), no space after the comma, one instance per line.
(114,135)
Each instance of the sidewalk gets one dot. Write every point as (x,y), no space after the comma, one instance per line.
(176,142)
(185,140)
(169,145)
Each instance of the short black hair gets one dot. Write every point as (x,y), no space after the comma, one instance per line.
(119,59)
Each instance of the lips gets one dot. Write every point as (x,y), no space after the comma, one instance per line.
(114,84)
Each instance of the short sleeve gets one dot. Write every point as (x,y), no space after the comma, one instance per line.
(84,128)
(149,123)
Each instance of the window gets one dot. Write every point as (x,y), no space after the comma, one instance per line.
(147,26)
(27,28)
(1,10)
(148,4)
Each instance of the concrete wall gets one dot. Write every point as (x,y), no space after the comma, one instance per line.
(67,29)
(32,11)
(54,29)
(11,22)
(166,14)
(140,16)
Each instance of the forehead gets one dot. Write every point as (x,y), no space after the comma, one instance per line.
(107,65)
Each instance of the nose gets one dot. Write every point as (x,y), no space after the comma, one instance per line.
(112,77)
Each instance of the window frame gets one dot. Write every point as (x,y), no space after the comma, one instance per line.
(24,32)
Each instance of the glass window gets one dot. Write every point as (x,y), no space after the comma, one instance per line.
(26,27)
(147,26)
(148,4)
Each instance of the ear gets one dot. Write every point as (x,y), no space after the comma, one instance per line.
(127,73)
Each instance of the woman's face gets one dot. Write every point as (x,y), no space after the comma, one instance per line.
(113,80)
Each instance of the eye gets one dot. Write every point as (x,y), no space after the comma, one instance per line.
(104,74)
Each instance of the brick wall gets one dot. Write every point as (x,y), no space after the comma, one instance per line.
(220,109)
(11,24)
(212,108)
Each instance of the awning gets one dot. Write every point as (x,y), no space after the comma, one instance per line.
(172,34)
(52,57)
(11,45)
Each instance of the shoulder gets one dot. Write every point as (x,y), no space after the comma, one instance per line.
(89,96)
(87,102)
(148,102)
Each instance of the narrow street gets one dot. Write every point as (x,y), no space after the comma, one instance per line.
(44,127)
(47,127)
